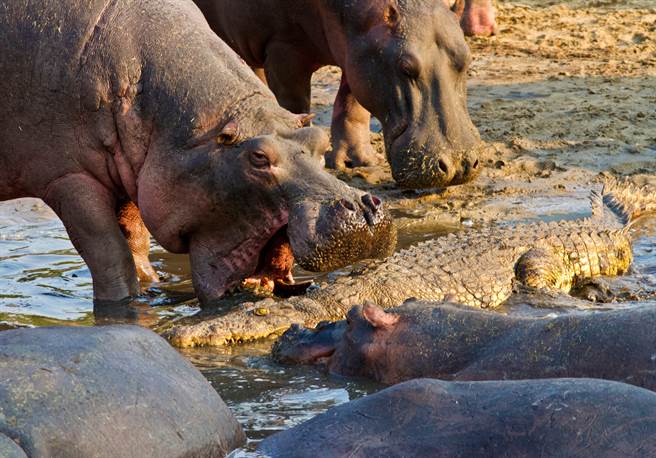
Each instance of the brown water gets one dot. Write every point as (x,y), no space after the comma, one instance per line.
(44,282)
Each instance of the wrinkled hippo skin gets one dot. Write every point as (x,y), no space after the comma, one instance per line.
(404,62)
(477,17)
(561,417)
(451,342)
(10,449)
(135,109)
(113,391)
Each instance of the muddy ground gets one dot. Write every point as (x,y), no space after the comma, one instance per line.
(566,90)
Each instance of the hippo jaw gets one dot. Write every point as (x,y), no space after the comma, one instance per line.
(332,235)
(308,346)
(319,236)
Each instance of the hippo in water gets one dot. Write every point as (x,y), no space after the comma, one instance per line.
(404,61)
(117,111)
(451,342)
(528,418)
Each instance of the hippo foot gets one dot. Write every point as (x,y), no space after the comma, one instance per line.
(351,156)
(145,271)
(479,18)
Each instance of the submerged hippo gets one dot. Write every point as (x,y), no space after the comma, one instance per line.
(405,62)
(107,392)
(559,418)
(477,17)
(111,108)
(450,342)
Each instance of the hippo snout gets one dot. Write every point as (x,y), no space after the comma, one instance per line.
(370,208)
(468,170)
(330,235)
(299,345)
(424,166)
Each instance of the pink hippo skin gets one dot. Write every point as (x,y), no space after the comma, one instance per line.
(405,62)
(117,111)
(477,17)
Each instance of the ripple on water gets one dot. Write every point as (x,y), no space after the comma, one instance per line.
(268,398)
(44,282)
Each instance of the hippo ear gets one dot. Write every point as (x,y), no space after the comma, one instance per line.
(229,134)
(378,317)
(458,8)
(305,119)
(391,15)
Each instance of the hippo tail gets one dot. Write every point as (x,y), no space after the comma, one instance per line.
(625,201)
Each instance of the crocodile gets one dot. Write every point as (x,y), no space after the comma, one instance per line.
(479,268)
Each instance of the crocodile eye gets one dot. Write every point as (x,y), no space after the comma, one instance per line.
(410,66)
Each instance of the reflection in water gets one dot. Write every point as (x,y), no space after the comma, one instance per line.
(44,282)
(266,397)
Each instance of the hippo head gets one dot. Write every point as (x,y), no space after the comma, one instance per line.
(406,62)
(258,203)
(300,345)
(346,347)
(368,329)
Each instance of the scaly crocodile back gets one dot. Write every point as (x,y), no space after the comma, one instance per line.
(627,201)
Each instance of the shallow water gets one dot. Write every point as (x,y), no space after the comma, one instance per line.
(44,282)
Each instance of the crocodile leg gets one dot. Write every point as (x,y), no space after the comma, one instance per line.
(543,268)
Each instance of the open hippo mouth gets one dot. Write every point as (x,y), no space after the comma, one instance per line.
(323,238)
(319,236)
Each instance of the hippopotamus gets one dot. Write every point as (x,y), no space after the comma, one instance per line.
(404,62)
(106,392)
(452,342)
(477,17)
(134,117)
(425,417)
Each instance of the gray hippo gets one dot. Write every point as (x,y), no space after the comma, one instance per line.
(109,391)
(452,342)
(422,418)
(405,62)
(114,108)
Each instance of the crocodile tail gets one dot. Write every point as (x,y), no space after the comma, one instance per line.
(628,201)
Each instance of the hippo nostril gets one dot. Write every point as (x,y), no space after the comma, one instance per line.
(442,166)
(371,202)
(347,204)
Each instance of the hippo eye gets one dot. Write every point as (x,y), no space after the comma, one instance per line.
(409,66)
(259,159)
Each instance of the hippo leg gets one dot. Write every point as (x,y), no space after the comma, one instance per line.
(87,210)
(349,132)
(289,77)
(138,238)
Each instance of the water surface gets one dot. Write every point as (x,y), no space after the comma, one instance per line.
(44,282)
